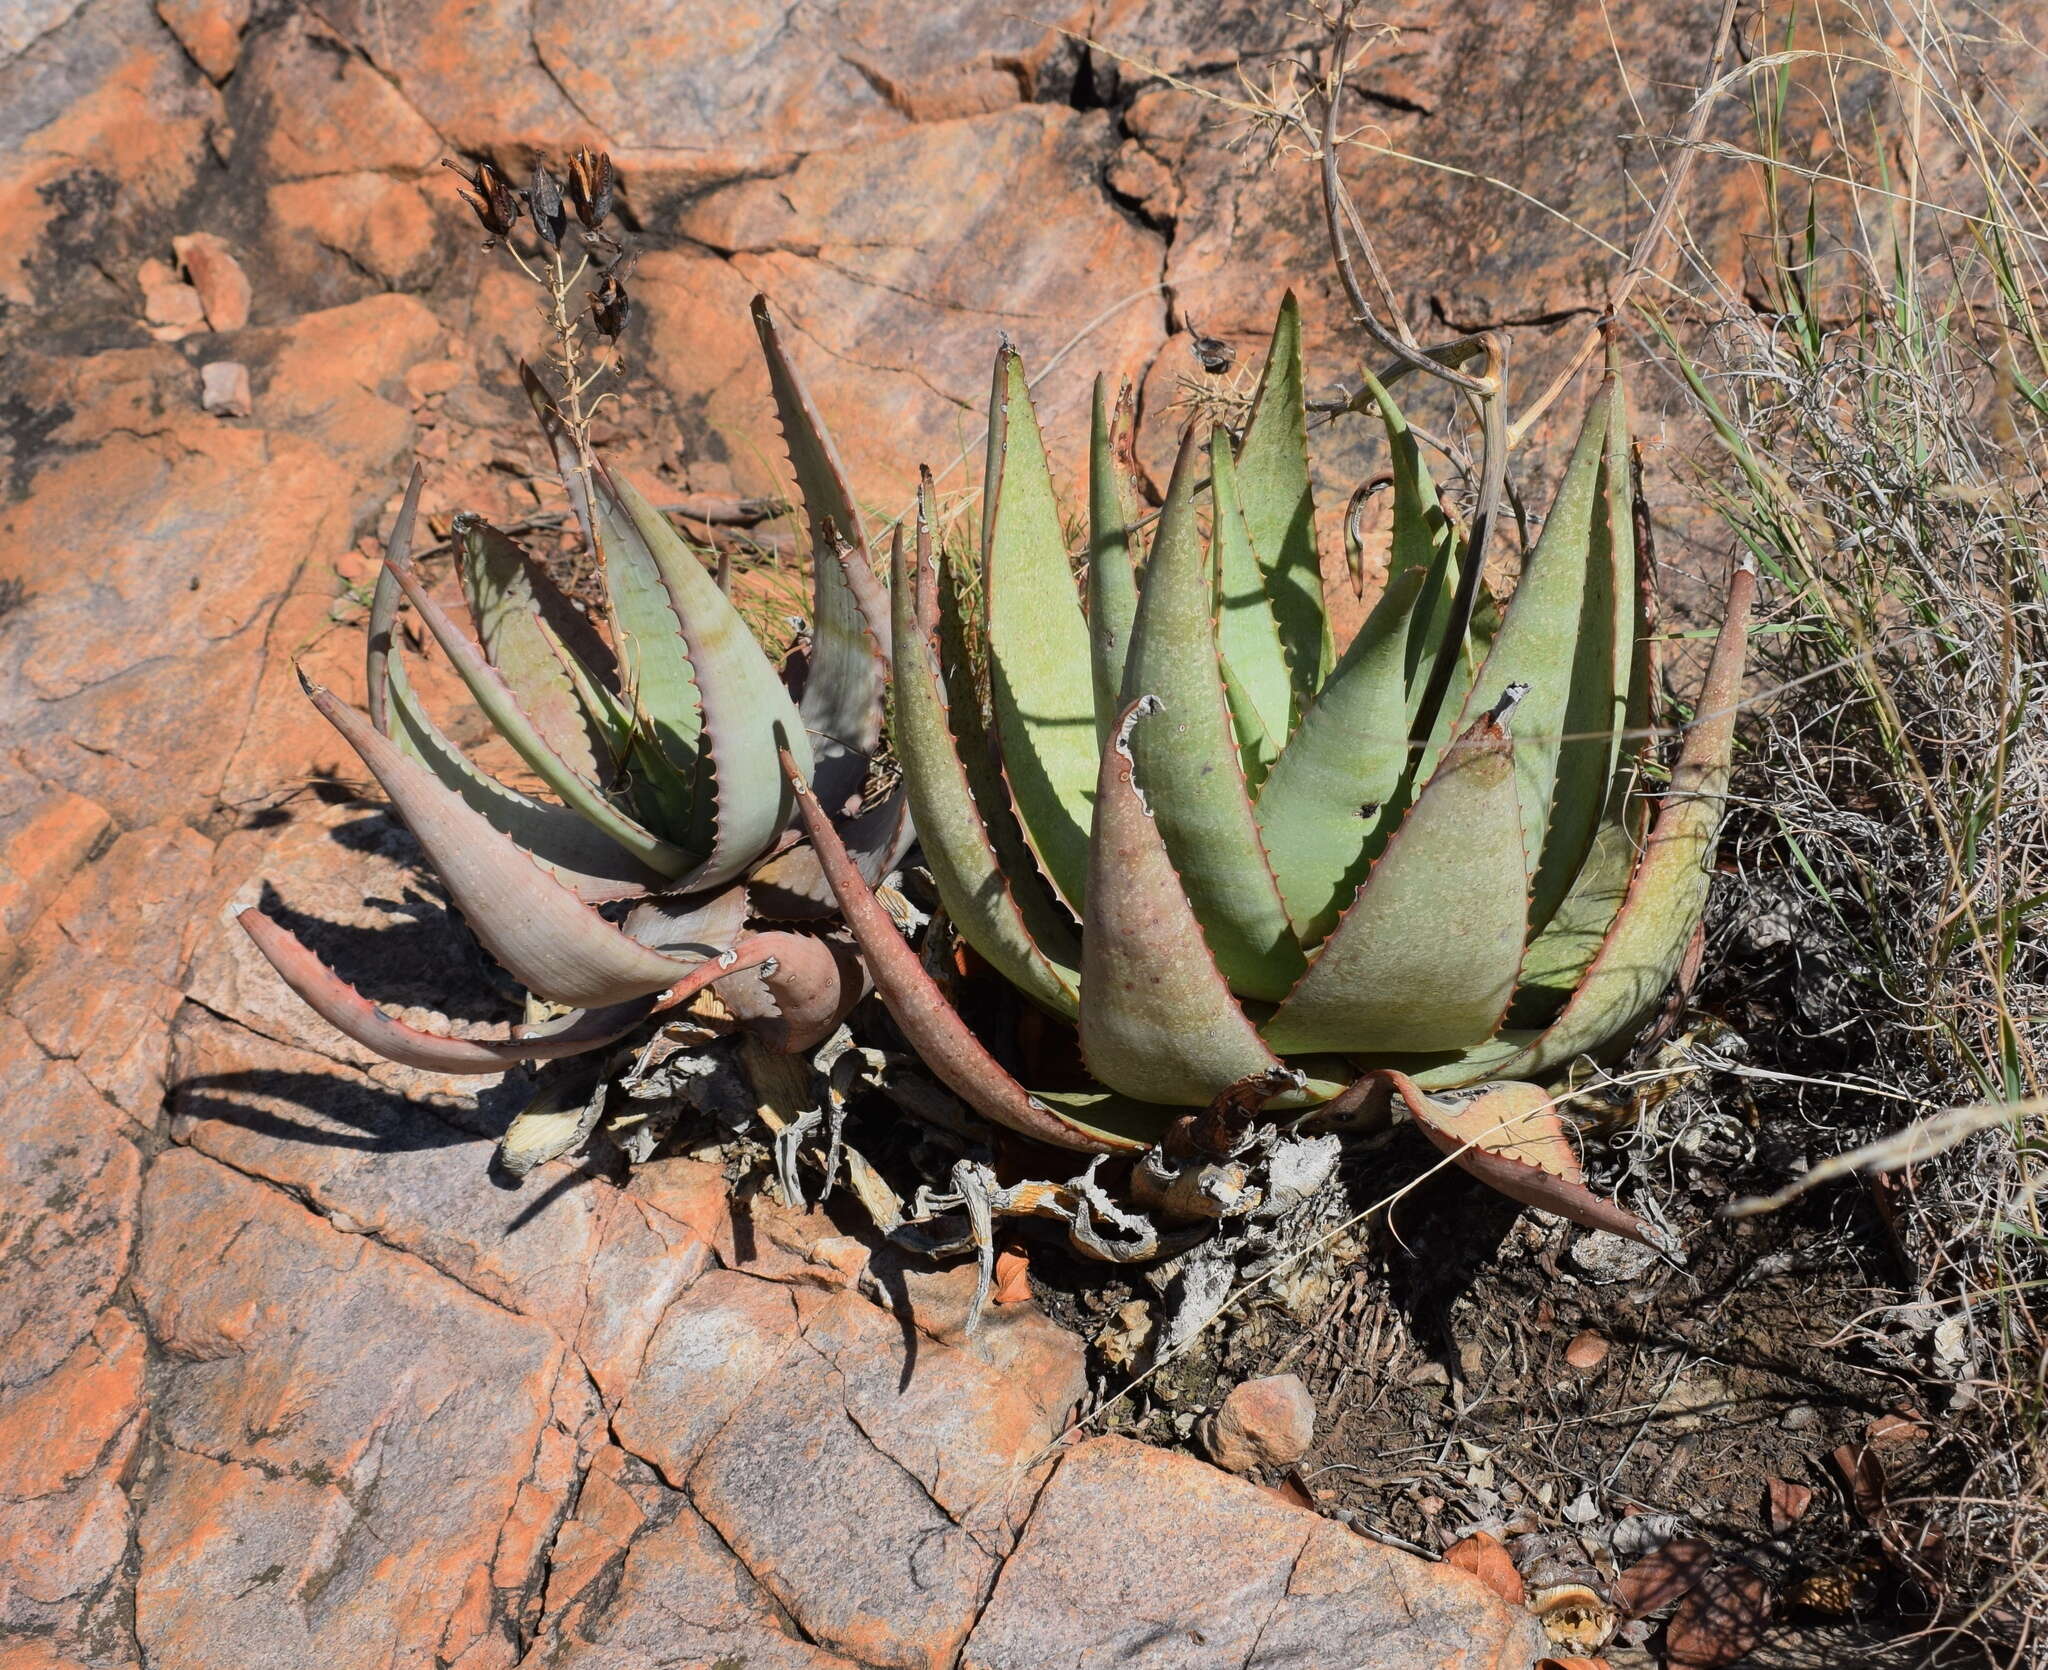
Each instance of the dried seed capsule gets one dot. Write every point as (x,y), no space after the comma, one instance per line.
(544,203)
(610,306)
(590,187)
(491,196)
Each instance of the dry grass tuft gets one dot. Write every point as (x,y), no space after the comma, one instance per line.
(1880,391)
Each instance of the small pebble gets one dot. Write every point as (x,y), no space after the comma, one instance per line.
(1263,1423)
(1799,1417)
(224,389)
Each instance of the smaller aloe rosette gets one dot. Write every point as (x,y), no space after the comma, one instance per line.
(662,856)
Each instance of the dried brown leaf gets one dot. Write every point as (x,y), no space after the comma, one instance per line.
(1487,1560)
(1720,1621)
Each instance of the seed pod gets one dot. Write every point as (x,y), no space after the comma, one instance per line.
(591,179)
(544,203)
(492,197)
(610,306)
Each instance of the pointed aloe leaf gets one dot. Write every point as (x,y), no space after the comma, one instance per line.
(576,853)
(1187,762)
(1564,948)
(1596,708)
(690,925)
(1112,574)
(842,699)
(1668,894)
(791,886)
(1246,633)
(509,604)
(502,708)
(384,603)
(1279,512)
(935,1030)
(353,1015)
(746,709)
(791,991)
(1256,749)
(1511,1138)
(547,939)
(1425,958)
(1538,642)
(659,684)
(1040,675)
(1338,784)
(1009,923)
(1158,1021)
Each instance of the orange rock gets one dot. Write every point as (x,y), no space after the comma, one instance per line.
(881,1529)
(41,843)
(1586,1352)
(1263,1423)
(101,101)
(211,30)
(1259,1582)
(329,112)
(348,1437)
(388,227)
(704,1361)
(905,327)
(56,1430)
(68,1186)
(223,287)
(172,308)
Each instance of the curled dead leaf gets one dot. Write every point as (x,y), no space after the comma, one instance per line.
(1722,1620)
(1485,1558)
(1786,1502)
(1664,1575)
(1013,1277)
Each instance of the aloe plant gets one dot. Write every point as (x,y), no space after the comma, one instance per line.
(1249,869)
(657,740)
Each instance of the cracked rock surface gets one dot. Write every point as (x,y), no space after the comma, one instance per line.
(284,1380)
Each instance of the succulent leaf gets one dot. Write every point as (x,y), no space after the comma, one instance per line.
(1340,783)
(791,886)
(1273,488)
(1511,1138)
(345,1009)
(1188,763)
(1425,958)
(1158,1021)
(792,990)
(659,683)
(1596,710)
(568,846)
(1665,899)
(384,603)
(1112,574)
(502,707)
(746,710)
(690,925)
(933,1026)
(1031,947)
(568,463)
(1040,673)
(1256,749)
(1540,632)
(842,697)
(546,938)
(1247,636)
(511,605)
